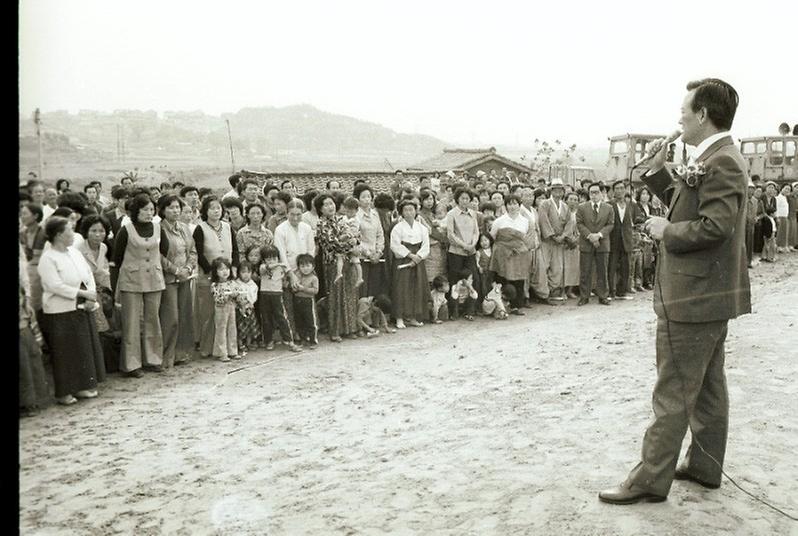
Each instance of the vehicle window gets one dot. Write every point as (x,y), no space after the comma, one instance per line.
(748,147)
(761,147)
(619,147)
(640,149)
(776,152)
(790,152)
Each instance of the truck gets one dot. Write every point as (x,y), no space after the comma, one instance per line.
(773,158)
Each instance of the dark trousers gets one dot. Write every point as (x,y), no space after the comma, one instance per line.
(518,301)
(273,314)
(305,319)
(690,389)
(455,264)
(465,308)
(749,242)
(587,261)
(618,272)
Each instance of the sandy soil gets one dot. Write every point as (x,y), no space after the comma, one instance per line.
(495,427)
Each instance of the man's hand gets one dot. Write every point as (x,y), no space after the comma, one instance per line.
(657,162)
(655,226)
(558,238)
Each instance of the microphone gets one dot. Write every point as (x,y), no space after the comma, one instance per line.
(655,147)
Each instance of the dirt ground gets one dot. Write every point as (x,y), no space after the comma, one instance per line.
(492,427)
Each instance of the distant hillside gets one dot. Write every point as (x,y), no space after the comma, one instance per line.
(276,138)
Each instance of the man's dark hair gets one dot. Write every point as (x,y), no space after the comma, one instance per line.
(619,181)
(592,184)
(234,179)
(384,202)
(205,191)
(718,97)
(230,202)
(186,189)
(286,181)
(246,182)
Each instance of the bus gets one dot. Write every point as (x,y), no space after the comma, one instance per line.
(773,158)
(626,149)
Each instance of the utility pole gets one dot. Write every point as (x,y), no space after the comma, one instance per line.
(118,144)
(37,119)
(230,139)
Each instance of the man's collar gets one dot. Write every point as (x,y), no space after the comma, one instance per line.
(704,145)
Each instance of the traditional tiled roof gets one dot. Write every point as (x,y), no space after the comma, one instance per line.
(464,159)
(380,181)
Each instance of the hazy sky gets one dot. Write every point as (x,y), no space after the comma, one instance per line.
(476,73)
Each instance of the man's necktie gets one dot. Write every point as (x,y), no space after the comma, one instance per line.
(595,210)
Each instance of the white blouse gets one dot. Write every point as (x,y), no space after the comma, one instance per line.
(415,234)
(519,223)
(782,207)
(292,241)
(61,274)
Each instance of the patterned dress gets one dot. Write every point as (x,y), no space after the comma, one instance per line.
(333,238)
(246,238)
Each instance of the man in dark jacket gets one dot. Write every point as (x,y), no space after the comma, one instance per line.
(702,282)
(594,219)
(626,215)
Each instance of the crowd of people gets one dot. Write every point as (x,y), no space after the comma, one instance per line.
(151,277)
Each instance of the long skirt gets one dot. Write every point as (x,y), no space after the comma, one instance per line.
(375,281)
(539,277)
(342,299)
(435,263)
(783,234)
(411,293)
(33,389)
(77,354)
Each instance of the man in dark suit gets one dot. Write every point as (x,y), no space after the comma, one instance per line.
(594,219)
(625,216)
(702,282)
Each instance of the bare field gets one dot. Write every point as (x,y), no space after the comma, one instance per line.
(466,428)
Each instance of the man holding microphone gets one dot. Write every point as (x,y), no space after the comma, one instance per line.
(702,282)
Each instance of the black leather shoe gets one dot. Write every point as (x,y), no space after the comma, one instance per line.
(138,373)
(582,301)
(682,474)
(604,301)
(625,494)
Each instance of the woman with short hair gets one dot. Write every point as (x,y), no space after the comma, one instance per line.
(94,229)
(179,266)
(32,239)
(254,233)
(372,239)
(342,294)
(511,256)
(213,238)
(68,300)
(137,254)
(410,246)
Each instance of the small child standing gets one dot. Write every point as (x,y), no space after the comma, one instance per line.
(305,291)
(484,251)
(225,292)
(371,314)
(354,250)
(270,299)
(246,323)
(464,295)
(493,304)
(769,231)
(636,261)
(440,308)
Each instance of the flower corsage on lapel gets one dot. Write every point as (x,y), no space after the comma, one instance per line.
(691,174)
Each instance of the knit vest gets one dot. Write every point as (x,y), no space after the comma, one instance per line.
(212,246)
(141,269)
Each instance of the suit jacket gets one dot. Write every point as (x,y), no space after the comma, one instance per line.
(587,224)
(621,238)
(552,221)
(702,267)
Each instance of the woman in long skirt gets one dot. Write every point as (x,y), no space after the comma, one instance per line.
(372,240)
(435,263)
(68,300)
(332,237)
(410,246)
(33,390)
(511,256)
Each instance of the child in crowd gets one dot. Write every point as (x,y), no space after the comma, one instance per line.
(305,290)
(270,299)
(493,305)
(464,295)
(371,314)
(647,251)
(354,251)
(252,256)
(440,309)
(246,322)
(225,292)
(484,251)
(508,297)
(769,231)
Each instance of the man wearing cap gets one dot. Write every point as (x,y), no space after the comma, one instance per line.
(553,215)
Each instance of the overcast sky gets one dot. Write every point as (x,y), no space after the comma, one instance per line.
(478,73)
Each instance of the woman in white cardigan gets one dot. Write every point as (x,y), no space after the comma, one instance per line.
(69,298)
